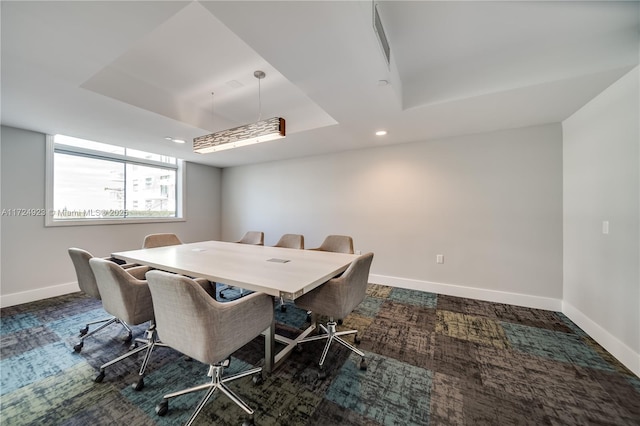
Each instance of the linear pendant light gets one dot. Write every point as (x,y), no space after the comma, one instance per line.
(260,131)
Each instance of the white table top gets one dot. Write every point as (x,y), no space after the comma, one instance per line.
(246,266)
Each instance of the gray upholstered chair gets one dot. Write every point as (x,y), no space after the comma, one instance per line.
(336,299)
(252,237)
(293,241)
(191,321)
(88,285)
(160,240)
(255,238)
(337,244)
(127,296)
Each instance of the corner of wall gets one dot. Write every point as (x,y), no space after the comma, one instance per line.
(613,345)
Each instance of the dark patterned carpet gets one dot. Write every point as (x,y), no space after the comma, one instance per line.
(433,359)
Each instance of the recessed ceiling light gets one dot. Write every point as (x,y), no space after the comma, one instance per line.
(381,132)
(169,138)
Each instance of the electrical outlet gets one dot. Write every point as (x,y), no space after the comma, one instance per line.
(439,258)
(358,252)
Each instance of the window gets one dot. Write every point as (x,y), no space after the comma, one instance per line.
(95,183)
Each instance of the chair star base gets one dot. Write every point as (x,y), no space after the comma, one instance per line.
(332,335)
(217,382)
(84,332)
(150,342)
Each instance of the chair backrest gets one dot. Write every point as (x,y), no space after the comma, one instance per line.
(86,278)
(253,237)
(294,241)
(191,321)
(339,296)
(160,240)
(123,295)
(357,278)
(337,244)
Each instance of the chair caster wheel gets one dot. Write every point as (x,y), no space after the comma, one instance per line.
(162,408)
(84,331)
(128,338)
(257,379)
(99,378)
(322,374)
(339,322)
(248,422)
(138,385)
(356,339)
(283,308)
(77,348)
(363,365)
(133,346)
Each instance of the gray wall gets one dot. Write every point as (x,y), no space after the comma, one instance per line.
(491,203)
(602,183)
(35,263)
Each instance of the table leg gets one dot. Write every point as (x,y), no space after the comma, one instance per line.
(270,346)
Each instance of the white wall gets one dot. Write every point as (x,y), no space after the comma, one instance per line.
(491,203)
(602,183)
(35,263)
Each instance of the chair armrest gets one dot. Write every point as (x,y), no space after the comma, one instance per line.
(123,264)
(207,285)
(138,272)
(255,303)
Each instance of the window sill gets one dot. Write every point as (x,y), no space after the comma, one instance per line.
(90,222)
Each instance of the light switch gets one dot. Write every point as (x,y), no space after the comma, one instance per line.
(605,227)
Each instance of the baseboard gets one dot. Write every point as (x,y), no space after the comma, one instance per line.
(529,301)
(38,294)
(612,344)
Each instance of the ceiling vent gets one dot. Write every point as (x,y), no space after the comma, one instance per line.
(382,37)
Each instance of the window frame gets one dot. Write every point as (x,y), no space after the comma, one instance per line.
(179,167)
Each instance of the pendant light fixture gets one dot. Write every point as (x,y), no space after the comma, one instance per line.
(260,131)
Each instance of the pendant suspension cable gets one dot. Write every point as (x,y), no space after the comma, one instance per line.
(213,116)
(259,102)
(259,75)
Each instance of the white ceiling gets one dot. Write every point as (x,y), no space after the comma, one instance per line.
(133,73)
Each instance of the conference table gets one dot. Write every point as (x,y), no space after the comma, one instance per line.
(279,272)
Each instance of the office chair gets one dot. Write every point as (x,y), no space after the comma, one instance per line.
(336,299)
(255,238)
(336,244)
(127,296)
(88,285)
(160,240)
(293,241)
(252,237)
(191,321)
